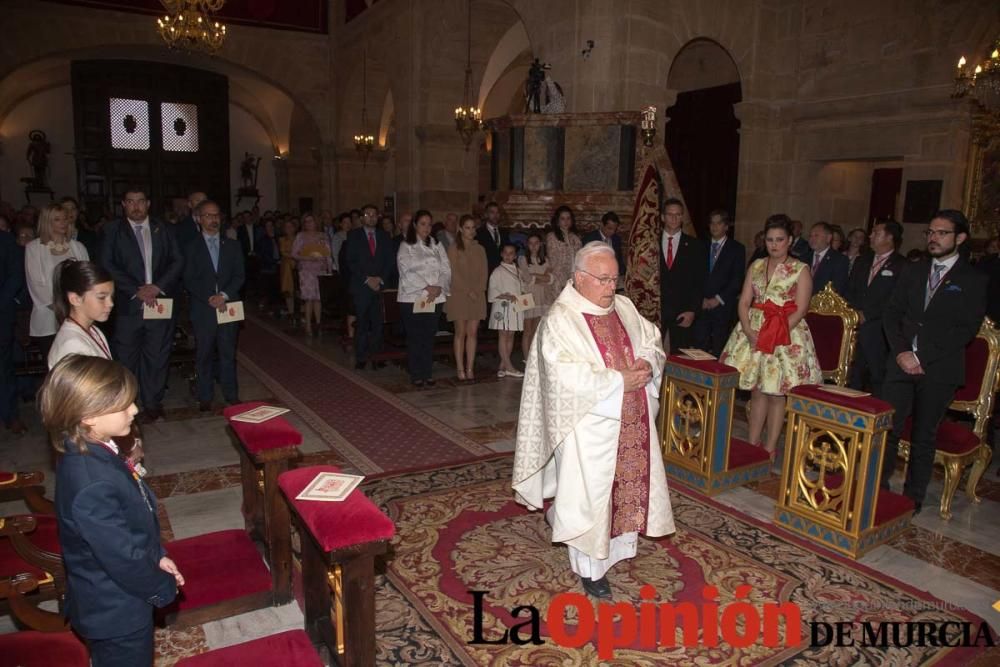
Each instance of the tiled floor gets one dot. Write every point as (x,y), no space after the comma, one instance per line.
(194,471)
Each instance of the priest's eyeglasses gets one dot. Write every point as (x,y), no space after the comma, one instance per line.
(604,281)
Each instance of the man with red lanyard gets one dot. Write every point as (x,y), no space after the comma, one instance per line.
(935,310)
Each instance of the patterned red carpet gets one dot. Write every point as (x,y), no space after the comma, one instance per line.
(459,531)
(370,428)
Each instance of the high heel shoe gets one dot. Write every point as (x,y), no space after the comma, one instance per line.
(461,375)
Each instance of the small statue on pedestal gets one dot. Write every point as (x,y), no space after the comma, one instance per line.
(248,178)
(38,158)
(541,93)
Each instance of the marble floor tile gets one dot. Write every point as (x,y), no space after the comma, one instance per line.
(198,513)
(501,446)
(956,557)
(937,581)
(748,502)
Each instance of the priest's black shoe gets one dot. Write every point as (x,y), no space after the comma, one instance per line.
(599,588)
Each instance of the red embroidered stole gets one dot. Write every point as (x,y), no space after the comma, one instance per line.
(630,491)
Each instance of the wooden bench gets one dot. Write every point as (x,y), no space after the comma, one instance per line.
(339,541)
(289,649)
(48,641)
(266,450)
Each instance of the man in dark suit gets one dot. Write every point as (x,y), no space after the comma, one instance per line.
(726,267)
(608,233)
(11,284)
(370,262)
(869,288)
(683,271)
(142,256)
(828,265)
(799,247)
(491,237)
(213,275)
(935,310)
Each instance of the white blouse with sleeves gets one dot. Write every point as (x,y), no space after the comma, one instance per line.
(72,339)
(421,265)
(39,265)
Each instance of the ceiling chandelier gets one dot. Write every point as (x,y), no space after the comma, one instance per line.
(363,141)
(468,118)
(982,83)
(188,26)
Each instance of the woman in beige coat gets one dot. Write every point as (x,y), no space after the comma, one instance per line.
(466,304)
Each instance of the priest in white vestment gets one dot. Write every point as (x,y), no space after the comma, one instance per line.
(586,432)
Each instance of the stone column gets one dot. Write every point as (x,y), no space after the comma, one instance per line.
(281,190)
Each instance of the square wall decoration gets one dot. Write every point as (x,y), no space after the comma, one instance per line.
(129,124)
(180,126)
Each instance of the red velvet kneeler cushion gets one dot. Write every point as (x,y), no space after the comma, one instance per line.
(867,404)
(355,520)
(219,566)
(827,333)
(275,433)
(951,437)
(289,649)
(7,477)
(976,355)
(31,648)
(888,506)
(45,536)
(742,453)
(707,366)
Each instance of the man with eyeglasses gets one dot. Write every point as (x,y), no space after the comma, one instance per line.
(586,431)
(935,310)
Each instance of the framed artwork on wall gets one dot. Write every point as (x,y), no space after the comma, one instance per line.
(982,188)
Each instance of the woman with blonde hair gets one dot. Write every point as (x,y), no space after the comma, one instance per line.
(311,250)
(117,570)
(54,245)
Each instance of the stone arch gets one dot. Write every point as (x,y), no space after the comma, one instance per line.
(508,50)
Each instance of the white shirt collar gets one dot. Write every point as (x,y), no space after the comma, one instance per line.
(676,235)
(948,263)
(819,255)
(721,242)
(112,446)
(145,221)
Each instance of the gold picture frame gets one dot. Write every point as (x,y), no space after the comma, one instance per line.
(982,179)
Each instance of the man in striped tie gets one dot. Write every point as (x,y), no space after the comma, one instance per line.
(935,310)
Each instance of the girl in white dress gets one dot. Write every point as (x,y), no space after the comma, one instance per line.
(54,244)
(504,288)
(83,293)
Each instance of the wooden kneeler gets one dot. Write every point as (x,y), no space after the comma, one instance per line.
(340,541)
(265,452)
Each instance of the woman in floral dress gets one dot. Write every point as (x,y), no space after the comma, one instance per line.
(311,250)
(771,346)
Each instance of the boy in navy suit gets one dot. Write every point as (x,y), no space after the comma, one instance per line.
(935,310)
(213,274)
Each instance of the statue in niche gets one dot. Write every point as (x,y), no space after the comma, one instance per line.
(541,93)
(38,157)
(248,172)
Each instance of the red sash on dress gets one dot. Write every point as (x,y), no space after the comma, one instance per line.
(774,331)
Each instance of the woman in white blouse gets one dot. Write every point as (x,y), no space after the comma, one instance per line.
(54,245)
(424,284)
(83,295)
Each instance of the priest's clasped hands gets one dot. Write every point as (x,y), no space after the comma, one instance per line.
(637,375)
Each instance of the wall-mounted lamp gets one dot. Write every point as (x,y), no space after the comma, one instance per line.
(648,126)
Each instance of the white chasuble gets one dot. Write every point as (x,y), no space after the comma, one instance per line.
(573,400)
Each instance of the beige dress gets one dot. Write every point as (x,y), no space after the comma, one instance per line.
(544,293)
(467,300)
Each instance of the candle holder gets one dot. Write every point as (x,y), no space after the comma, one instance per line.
(648,126)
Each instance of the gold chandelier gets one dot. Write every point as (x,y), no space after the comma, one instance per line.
(188,26)
(983,82)
(468,118)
